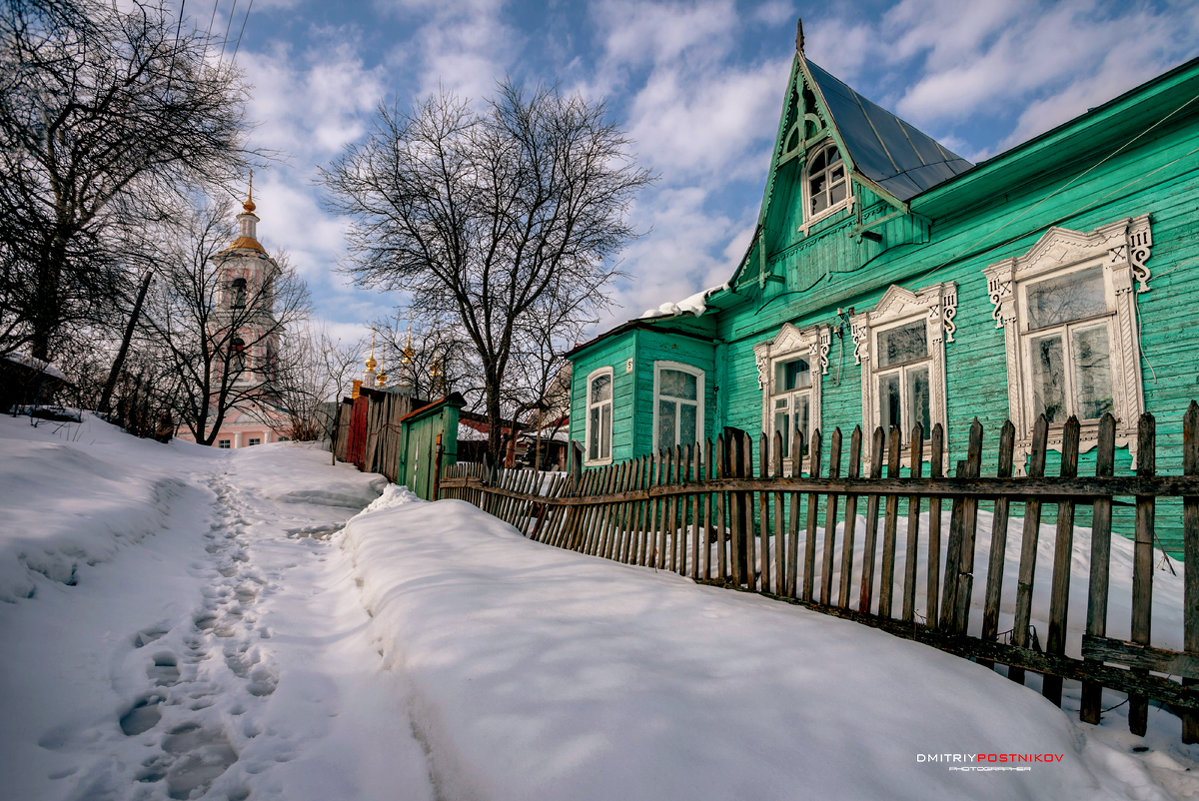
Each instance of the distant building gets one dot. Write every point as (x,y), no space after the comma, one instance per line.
(245,275)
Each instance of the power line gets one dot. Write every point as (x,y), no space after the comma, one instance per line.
(244,20)
(228,25)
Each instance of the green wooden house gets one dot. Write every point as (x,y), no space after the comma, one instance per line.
(891,282)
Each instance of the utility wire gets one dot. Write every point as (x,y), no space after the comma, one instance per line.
(228,25)
(175,50)
(244,20)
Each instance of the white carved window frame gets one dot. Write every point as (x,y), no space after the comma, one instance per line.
(789,343)
(1122,248)
(937,306)
(588,405)
(659,367)
(810,219)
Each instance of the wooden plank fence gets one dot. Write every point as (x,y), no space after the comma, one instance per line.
(699,511)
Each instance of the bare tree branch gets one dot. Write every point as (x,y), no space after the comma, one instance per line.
(505,221)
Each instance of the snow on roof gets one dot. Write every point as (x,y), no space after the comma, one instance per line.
(36,364)
(695,304)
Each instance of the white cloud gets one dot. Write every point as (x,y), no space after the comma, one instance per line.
(1036,62)
(311,104)
(703,125)
(640,33)
(686,252)
(462,46)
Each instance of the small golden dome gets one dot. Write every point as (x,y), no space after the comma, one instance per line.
(249,206)
(248,243)
(371,363)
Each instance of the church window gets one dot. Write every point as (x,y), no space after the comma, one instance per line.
(224,444)
(678,404)
(255,440)
(239,293)
(238,354)
(599,416)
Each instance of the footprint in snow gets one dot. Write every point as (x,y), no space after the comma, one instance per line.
(165,670)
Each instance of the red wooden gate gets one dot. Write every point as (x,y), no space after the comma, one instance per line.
(356,444)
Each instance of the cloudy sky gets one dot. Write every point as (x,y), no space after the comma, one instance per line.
(697,85)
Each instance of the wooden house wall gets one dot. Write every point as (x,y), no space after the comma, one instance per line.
(1133,183)
(656,346)
(1080,177)
(612,352)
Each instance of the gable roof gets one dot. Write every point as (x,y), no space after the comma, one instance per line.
(890,152)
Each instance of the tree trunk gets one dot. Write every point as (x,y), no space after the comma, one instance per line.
(119,362)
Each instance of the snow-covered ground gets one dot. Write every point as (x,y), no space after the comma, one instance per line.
(187,622)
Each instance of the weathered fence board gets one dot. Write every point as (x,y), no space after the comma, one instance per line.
(701,511)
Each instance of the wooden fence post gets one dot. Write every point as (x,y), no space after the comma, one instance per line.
(886,587)
(740,512)
(851,519)
(830,521)
(1190,565)
(870,541)
(990,630)
(1028,546)
(1142,565)
(1063,550)
(1101,552)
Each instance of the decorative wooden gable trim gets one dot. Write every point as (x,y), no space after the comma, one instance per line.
(1122,248)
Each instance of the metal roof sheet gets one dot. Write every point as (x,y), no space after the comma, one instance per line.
(898,157)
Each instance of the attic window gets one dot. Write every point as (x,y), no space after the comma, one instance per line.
(826,188)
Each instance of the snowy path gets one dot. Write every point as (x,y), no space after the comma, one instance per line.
(182,623)
(224,657)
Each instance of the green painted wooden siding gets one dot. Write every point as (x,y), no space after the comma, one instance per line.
(990,218)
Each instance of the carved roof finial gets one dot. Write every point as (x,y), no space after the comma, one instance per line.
(799,36)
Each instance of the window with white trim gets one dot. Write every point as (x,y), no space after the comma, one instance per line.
(901,347)
(678,404)
(1068,310)
(790,368)
(598,432)
(826,183)
(223,444)
(903,365)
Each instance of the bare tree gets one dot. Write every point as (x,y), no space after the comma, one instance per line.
(107,114)
(219,355)
(321,369)
(429,357)
(503,220)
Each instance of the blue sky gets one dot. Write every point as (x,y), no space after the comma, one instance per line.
(697,85)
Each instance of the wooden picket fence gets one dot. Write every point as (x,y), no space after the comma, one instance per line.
(700,511)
